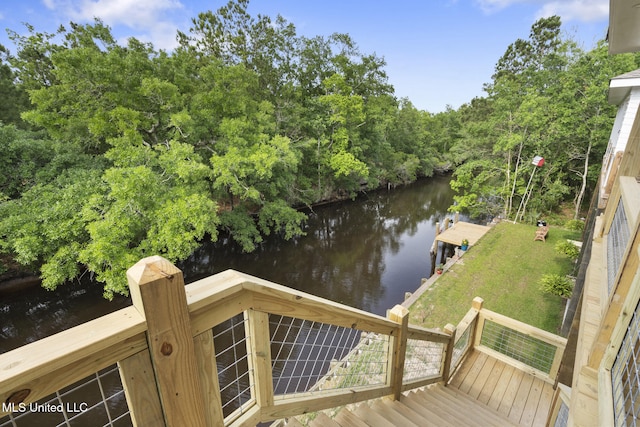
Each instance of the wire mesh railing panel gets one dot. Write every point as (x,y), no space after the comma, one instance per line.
(423,359)
(625,376)
(97,400)
(461,346)
(230,342)
(519,346)
(310,356)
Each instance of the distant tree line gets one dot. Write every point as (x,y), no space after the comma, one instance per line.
(114,152)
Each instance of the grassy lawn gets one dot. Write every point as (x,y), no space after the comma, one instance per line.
(504,269)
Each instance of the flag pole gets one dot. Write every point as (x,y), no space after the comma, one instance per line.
(537,162)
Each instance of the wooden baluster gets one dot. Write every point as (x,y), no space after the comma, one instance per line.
(448,357)
(259,351)
(138,381)
(206,355)
(400,315)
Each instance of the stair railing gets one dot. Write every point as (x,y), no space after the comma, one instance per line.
(232,349)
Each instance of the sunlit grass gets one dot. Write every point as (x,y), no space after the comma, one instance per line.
(503,268)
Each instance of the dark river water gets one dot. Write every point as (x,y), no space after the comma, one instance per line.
(365,253)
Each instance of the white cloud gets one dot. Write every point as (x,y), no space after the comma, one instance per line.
(148,20)
(576,10)
(492,6)
(568,10)
(132,13)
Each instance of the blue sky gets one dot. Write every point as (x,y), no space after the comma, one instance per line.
(438,52)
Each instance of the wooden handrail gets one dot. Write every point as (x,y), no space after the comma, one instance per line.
(424,334)
(220,297)
(127,337)
(38,369)
(525,328)
(148,342)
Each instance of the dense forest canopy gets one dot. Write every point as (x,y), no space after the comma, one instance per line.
(114,152)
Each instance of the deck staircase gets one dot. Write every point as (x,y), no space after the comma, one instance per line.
(435,405)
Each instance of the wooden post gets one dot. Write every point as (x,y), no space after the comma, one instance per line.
(555,366)
(157,291)
(434,250)
(400,315)
(443,258)
(433,263)
(456,218)
(445,246)
(259,356)
(477,304)
(448,356)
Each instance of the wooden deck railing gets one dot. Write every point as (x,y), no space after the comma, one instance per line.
(169,351)
(527,348)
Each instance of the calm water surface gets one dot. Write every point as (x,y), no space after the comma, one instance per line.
(364,254)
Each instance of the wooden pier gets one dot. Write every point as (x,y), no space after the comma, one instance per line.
(462,230)
(454,236)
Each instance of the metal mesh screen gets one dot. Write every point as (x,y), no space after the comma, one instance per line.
(97,400)
(230,342)
(524,348)
(625,378)
(309,356)
(461,346)
(423,359)
(617,240)
(562,420)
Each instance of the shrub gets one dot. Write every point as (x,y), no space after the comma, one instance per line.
(567,248)
(556,284)
(574,225)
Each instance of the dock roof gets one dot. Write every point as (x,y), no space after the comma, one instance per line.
(463,230)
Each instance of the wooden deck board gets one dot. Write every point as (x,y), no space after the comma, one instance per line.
(520,400)
(463,230)
(511,392)
(491,384)
(473,373)
(521,397)
(464,369)
(501,387)
(542,412)
(531,406)
(482,378)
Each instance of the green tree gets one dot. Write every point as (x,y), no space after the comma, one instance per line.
(146,151)
(25,154)
(15,99)
(157,204)
(520,125)
(586,119)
